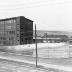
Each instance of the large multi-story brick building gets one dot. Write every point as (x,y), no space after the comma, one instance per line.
(16,31)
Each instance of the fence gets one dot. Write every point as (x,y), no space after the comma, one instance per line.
(64,51)
(45,50)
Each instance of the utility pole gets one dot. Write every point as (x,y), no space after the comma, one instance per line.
(36,45)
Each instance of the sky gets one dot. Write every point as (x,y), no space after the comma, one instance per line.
(47,14)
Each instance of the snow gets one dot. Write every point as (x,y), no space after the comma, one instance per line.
(33,46)
(59,67)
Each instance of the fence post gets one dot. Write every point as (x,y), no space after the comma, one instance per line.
(36,46)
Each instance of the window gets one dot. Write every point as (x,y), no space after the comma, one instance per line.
(22,39)
(11,38)
(17,35)
(11,32)
(2,38)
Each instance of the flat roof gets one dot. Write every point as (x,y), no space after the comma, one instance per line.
(14,18)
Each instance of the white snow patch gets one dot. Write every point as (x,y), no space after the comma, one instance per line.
(65,68)
(33,46)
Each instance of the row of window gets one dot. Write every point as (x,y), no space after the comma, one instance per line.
(6,43)
(11,32)
(8,21)
(4,38)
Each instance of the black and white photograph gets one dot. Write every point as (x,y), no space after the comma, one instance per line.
(35,35)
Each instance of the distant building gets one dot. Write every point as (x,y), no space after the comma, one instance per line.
(16,31)
(70,40)
(50,37)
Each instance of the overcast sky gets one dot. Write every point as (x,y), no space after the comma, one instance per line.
(47,14)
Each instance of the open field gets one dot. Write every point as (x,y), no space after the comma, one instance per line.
(12,66)
(14,63)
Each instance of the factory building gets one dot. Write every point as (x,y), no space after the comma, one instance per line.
(16,31)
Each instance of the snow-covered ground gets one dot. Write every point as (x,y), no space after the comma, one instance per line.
(11,66)
(45,50)
(33,46)
(56,68)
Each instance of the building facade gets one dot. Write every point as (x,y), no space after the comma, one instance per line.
(16,31)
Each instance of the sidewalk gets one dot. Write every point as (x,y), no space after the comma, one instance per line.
(61,64)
